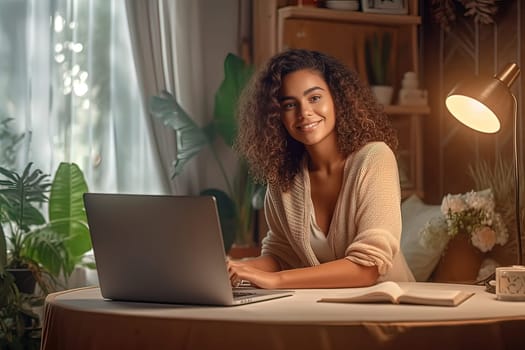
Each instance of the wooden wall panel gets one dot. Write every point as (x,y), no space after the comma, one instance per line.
(468,49)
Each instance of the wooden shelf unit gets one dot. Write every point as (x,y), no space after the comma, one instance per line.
(354,17)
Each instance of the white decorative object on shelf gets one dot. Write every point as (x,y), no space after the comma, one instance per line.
(410,94)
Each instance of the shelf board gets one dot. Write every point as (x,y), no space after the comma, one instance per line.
(310,12)
(397,109)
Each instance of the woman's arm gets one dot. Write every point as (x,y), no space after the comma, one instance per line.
(264,263)
(378,215)
(334,274)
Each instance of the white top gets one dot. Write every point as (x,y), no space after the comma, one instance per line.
(319,243)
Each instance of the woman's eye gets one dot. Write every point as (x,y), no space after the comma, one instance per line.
(288,105)
(315,98)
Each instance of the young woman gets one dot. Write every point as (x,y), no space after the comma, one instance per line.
(313,133)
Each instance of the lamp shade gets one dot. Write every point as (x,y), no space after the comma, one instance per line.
(481,103)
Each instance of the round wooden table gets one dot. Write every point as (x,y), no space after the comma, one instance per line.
(82,319)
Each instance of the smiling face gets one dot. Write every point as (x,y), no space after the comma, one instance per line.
(307,108)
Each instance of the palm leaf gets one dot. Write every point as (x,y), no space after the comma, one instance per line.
(190,138)
(67,215)
(236,75)
(46,247)
(20,193)
(9,174)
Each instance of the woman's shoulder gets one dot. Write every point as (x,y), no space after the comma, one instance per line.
(377,155)
(373,150)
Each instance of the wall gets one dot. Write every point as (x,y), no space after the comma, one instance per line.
(468,49)
(449,56)
(218,29)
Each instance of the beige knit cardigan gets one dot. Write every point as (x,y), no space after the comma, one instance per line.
(366,224)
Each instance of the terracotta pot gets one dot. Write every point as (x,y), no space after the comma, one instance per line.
(460,261)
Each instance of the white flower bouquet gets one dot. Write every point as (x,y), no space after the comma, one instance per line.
(471,213)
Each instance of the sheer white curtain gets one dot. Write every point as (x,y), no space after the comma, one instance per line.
(168,58)
(68,80)
(180,46)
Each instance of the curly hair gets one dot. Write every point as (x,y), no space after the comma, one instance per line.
(273,156)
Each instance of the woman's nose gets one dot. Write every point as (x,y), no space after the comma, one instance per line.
(306,110)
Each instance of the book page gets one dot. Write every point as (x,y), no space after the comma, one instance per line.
(391,292)
(435,297)
(382,292)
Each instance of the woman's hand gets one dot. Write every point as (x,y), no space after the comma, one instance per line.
(240,271)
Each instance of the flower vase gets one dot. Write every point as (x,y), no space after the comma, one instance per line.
(460,262)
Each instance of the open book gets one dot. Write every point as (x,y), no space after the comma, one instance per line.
(391,292)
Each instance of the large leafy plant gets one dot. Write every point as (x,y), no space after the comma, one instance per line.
(236,204)
(27,238)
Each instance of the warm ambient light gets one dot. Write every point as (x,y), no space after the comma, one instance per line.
(473,113)
(481,104)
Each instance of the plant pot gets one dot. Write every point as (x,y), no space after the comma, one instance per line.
(383,94)
(24,280)
(460,262)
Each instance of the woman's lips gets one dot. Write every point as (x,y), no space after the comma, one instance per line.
(308,126)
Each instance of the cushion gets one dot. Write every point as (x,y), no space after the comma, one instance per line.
(415,214)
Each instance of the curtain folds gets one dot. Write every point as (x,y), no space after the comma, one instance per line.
(165,37)
(152,48)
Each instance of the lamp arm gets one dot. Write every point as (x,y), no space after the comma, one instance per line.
(517,181)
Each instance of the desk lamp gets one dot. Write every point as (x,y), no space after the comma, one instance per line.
(480,103)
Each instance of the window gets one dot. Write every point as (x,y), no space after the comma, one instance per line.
(68,81)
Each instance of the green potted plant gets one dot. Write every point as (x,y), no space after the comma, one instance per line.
(378,50)
(37,249)
(236,204)
(29,243)
(19,324)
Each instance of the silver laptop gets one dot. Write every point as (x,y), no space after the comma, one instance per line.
(165,249)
